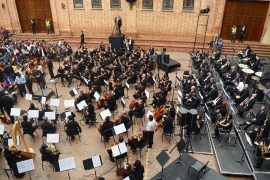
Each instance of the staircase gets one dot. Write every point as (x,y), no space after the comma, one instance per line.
(177,44)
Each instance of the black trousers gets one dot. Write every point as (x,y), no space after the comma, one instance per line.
(51,72)
(150,138)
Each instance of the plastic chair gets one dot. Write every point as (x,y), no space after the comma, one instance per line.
(168,134)
(199,167)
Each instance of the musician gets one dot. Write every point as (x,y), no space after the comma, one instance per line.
(222,110)
(225,124)
(245,53)
(197,128)
(82,97)
(136,111)
(248,105)
(109,151)
(216,57)
(12,159)
(226,68)
(90,114)
(125,119)
(189,76)
(159,100)
(150,130)
(7,103)
(188,96)
(188,85)
(220,62)
(204,81)
(136,142)
(212,94)
(256,63)
(47,126)
(110,103)
(172,111)
(216,102)
(263,130)
(258,152)
(28,125)
(29,83)
(46,152)
(107,124)
(258,120)
(240,86)
(243,95)
(151,50)
(50,67)
(39,78)
(167,123)
(193,102)
(233,81)
(231,75)
(207,87)
(138,170)
(72,125)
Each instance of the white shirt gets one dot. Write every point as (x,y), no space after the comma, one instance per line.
(129,42)
(240,86)
(151,125)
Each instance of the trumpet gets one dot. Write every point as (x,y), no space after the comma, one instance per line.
(242,104)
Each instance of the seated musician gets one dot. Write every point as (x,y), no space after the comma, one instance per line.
(12,159)
(230,75)
(225,68)
(136,142)
(188,96)
(140,89)
(49,154)
(107,124)
(193,102)
(47,109)
(215,57)
(90,114)
(203,64)
(187,87)
(262,131)
(71,127)
(222,110)
(28,125)
(265,145)
(167,123)
(238,88)
(133,78)
(189,76)
(82,96)
(243,95)
(232,82)
(247,105)
(216,102)
(225,124)
(125,119)
(109,151)
(47,126)
(137,110)
(256,63)
(220,62)
(111,103)
(138,170)
(128,170)
(172,111)
(258,120)
(207,87)
(212,94)
(197,128)
(205,80)
(245,53)
(159,100)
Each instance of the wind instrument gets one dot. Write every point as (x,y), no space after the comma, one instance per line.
(248,116)
(242,104)
(265,152)
(53,148)
(223,66)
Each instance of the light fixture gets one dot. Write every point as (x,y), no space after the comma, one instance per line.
(131,3)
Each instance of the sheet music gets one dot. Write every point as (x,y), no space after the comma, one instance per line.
(115,151)
(127,178)
(69,103)
(28,97)
(15,112)
(127,85)
(50,115)
(180,94)
(75,91)
(55,102)
(66,164)
(33,113)
(25,166)
(96,161)
(43,100)
(52,138)
(105,113)
(81,105)
(97,96)
(119,129)
(2,128)
(147,94)
(122,147)
(10,141)
(248,140)
(67,114)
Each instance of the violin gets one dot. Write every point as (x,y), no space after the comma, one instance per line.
(4,119)
(101,102)
(158,113)
(134,137)
(117,121)
(133,104)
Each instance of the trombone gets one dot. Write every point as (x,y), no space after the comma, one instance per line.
(241,104)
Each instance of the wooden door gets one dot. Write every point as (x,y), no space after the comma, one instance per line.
(252,14)
(39,10)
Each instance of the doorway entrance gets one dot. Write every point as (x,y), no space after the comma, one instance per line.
(249,13)
(38,10)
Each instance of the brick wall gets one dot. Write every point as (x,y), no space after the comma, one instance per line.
(149,24)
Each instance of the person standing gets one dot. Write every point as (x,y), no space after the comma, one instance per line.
(150,130)
(82,39)
(119,23)
(130,44)
(234,29)
(242,34)
(29,83)
(48,26)
(8,104)
(33,26)
(50,67)
(151,50)
(20,81)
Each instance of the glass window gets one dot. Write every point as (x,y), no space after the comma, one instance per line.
(188,5)
(78,3)
(115,4)
(167,5)
(96,4)
(147,4)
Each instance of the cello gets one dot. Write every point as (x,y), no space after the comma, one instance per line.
(134,104)
(160,124)
(4,119)
(158,113)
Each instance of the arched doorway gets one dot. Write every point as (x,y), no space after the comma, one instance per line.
(252,14)
(39,10)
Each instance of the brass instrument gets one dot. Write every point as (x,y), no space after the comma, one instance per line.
(223,66)
(248,116)
(258,137)
(242,104)
(28,152)
(219,61)
(53,148)
(265,152)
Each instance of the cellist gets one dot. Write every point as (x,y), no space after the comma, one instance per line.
(137,110)
(167,123)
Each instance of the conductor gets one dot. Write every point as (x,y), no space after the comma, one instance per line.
(119,23)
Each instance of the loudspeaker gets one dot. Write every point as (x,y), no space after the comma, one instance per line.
(159,58)
(116,41)
(164,49)
(166,58)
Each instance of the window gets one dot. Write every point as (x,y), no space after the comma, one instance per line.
(188,5)
(147,4)
(115,4)
(96,4)
(167,5)
(78,3)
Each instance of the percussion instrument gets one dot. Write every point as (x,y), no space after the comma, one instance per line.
(255,78)
(259,74)
(248,73)
(260,87)
(241,67)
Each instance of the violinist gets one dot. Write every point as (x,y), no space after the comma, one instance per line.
(227,123)
(121,139)
(143,80)
(136,111)
(107,124)
(90,114)
(47,126)
(140,89)
(197,128)
(159,101)
(150,130)
(167,123)
(111,102)
(82,96)
(72,125)
(136,142)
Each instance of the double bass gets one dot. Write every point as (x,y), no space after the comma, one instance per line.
(4,119)
(158,113)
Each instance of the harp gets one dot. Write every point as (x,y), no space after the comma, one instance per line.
(28,152)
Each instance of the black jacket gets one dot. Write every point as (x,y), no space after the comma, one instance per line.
(48,127)
(73,125)
(260,117)
(7,102)
(28,125)
(168,124)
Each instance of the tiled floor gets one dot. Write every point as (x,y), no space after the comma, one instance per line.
(91,145)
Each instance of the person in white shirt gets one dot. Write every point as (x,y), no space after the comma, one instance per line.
(150,130)
(240,86)
(20,81)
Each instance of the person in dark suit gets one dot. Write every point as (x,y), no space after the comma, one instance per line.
(167,123)
(242,34)
(216,102)
(207,87)
(72,125)
(172,111)
(258,120)
(193,102)
(47,126)
(107,124)
(188,96)
(7,103)
(243,95)
(258,152)
(33,26)
(222,110)
(50,67)
(138,170)
(248,105)
(231,75)
(130,43)
(82,39)
(265,128)
(51,157)
(197,128)
(256,64)
(151,50)
(137,110)
(119,24)
(28,125)
(212,94)
(111,104)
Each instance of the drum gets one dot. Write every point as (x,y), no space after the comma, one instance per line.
(248,74)
(259,91)
(182,116)
(240,69)
(192,118)
(259,74)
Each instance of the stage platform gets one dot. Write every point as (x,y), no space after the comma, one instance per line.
(261,176)
(170,67)
(174,171)
(45,92)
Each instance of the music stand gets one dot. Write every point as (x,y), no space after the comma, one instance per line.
(118,150)
(130,177)
(28,97)
(181,145)
(104,114)
(69,103)
(51,82)
(55,102)
(33,114)
(42,100)
(119,129)
(73,92)
(15,112)
(64,165)
(123,103)
(162,159)
(127,87)
(25,166)
(92,163)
